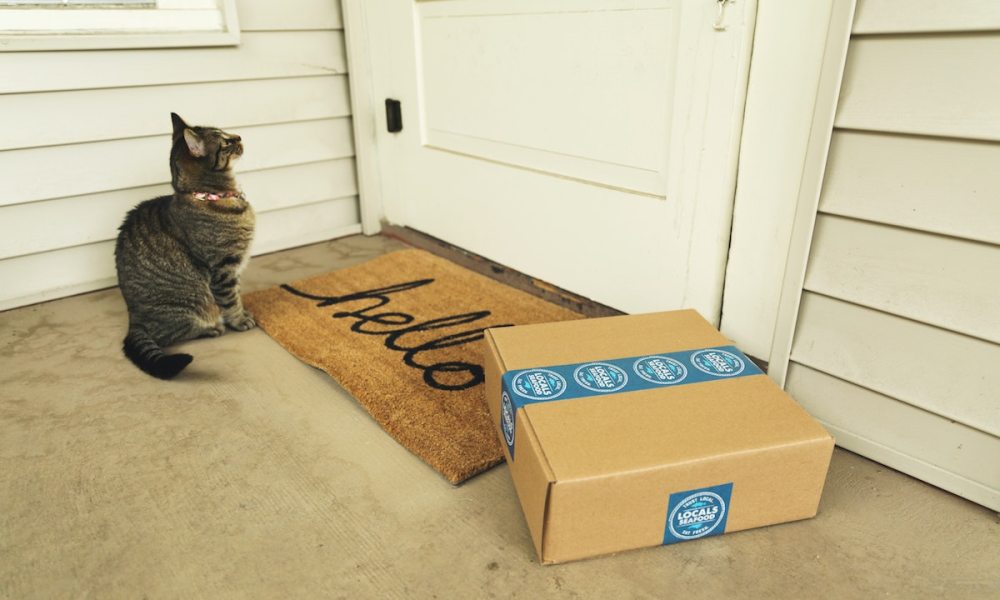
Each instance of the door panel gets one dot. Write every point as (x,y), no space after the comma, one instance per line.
(588,143)
(537,103)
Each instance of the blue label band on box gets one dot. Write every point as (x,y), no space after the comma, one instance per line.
(697,513)
(565,382)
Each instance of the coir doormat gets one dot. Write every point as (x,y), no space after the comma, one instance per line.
(402,334)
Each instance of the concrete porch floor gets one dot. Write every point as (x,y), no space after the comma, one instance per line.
(254,475)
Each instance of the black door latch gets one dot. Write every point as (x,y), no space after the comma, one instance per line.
(393,116)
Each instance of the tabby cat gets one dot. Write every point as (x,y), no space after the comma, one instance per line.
(179,257)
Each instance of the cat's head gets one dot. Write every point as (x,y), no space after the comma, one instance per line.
(200,151)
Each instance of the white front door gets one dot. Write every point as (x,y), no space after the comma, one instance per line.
(591,144)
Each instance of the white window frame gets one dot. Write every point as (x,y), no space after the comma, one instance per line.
(171,24)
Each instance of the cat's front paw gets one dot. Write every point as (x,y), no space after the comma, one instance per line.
(243,322)
(214,331)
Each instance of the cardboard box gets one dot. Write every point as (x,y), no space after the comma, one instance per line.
(643,430)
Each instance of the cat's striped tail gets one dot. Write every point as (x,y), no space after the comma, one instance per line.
(143,350)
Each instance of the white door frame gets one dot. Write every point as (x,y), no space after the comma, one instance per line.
(365,113)
(799,54)
(799,51)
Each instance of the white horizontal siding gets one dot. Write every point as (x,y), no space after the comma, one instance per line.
(898,332)
(277,229)
(38,277)
(928,446)
(306,224)
(42,119)
(916,363)
(925,16)
(86,137)
(270,15)
(260,55)
(943,85)
(945,281)
(940,185)
(269,189)
(110,165)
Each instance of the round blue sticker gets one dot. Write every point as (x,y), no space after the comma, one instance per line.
(661,370)
(600,377)
(538,384)
(507,418)
(697,515)
(718,363)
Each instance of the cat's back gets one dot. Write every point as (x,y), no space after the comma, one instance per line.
(147,221)
(146,212)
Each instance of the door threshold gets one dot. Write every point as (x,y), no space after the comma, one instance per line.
(499,272)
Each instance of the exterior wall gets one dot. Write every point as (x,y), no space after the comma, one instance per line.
(898,331)
(84,136)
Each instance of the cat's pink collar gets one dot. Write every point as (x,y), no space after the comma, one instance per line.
(213,197)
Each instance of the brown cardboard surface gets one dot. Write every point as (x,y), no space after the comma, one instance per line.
(532,475)
(594,474)
(747,412)
(561,343)
(590,517)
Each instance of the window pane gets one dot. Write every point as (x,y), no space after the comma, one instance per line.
(29,4)
(129,3)
(78,3)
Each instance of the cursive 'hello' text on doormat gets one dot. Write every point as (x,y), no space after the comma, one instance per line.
(402,334)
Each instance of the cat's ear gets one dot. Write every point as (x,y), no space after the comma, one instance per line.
(195,144)
(179,124)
